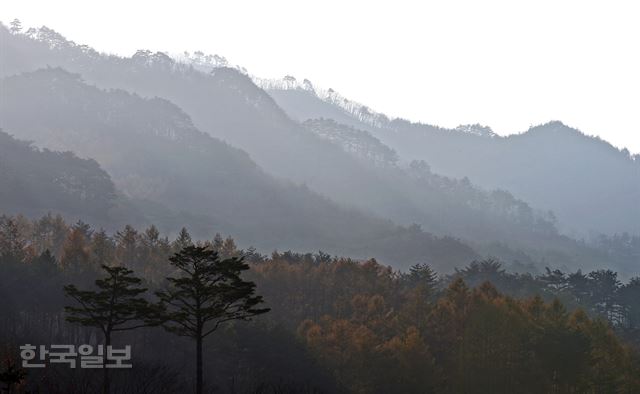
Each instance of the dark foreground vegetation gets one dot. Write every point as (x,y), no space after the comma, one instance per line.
(334,324)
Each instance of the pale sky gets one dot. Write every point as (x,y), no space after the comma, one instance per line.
(506,64)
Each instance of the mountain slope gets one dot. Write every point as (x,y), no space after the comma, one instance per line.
(227,104)
(495,222)
(32,181)
(589,185)
(440,203)
(153,151)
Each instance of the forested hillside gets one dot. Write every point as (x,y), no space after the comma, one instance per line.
(361,254)
(226,103)
(154,153)
(580,171)
(335,324)
(440,204)
(33,181)
(528,239)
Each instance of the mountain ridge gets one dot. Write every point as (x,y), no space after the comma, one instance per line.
(190,171)
(228,105)
(491,162)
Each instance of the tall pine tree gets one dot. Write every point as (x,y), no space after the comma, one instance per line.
(116,306)
(208,292)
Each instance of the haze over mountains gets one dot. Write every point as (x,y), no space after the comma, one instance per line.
(33,181)
(590,185)
(286,167)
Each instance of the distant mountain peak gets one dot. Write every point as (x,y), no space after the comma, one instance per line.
(552,125)
(556,128)
(556,123)
(476,129)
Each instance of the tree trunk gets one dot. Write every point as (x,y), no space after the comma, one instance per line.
(105,370)
(199,364)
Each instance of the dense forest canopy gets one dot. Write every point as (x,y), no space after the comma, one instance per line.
(335,324)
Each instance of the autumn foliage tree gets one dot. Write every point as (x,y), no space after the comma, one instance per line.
(336,324)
